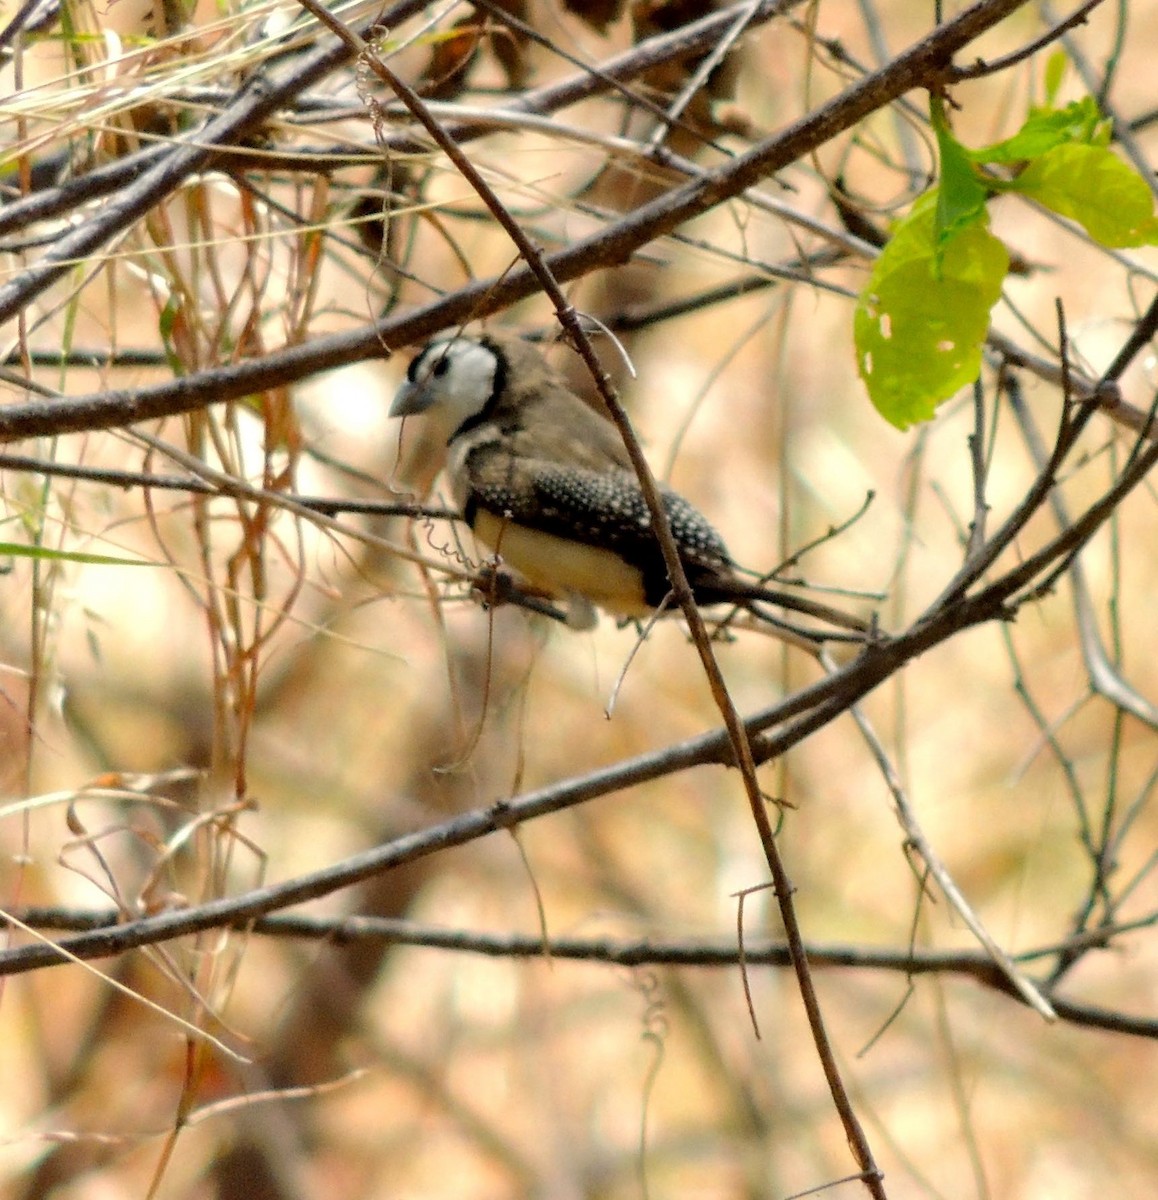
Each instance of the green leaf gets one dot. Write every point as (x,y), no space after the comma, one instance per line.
(1055,70)
(1092,186)
(961,195)
(1045,128)
(166,325)
(921,322)
(20,550)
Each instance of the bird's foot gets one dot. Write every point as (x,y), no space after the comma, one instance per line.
(496,585)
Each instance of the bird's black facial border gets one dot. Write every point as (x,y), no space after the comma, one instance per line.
(498,386)
(502,369)
(439,367)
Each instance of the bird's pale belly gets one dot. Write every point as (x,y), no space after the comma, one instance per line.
(562,567)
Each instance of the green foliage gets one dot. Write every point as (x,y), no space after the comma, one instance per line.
(166,327)
(962,193)
(1088,184)
(1044,130)
(921,320)
(43,554)
(1055,69)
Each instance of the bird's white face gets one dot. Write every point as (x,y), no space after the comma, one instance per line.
(457,375)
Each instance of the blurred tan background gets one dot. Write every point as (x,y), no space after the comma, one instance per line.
(349,697)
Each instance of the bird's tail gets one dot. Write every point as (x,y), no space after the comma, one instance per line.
(751,596)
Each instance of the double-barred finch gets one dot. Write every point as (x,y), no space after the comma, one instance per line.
(545,481)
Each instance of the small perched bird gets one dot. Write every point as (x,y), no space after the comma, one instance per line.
(544,481)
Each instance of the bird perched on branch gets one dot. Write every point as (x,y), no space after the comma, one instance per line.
(545,481)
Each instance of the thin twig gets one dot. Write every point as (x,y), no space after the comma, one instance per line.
(937,869)
(982,68)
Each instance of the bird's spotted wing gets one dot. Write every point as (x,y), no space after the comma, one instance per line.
(603,509)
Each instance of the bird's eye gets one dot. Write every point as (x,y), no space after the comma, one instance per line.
(440,368)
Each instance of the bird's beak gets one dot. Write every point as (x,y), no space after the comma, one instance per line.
(410,400)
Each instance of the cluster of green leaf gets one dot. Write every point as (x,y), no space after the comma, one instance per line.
(921,320)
